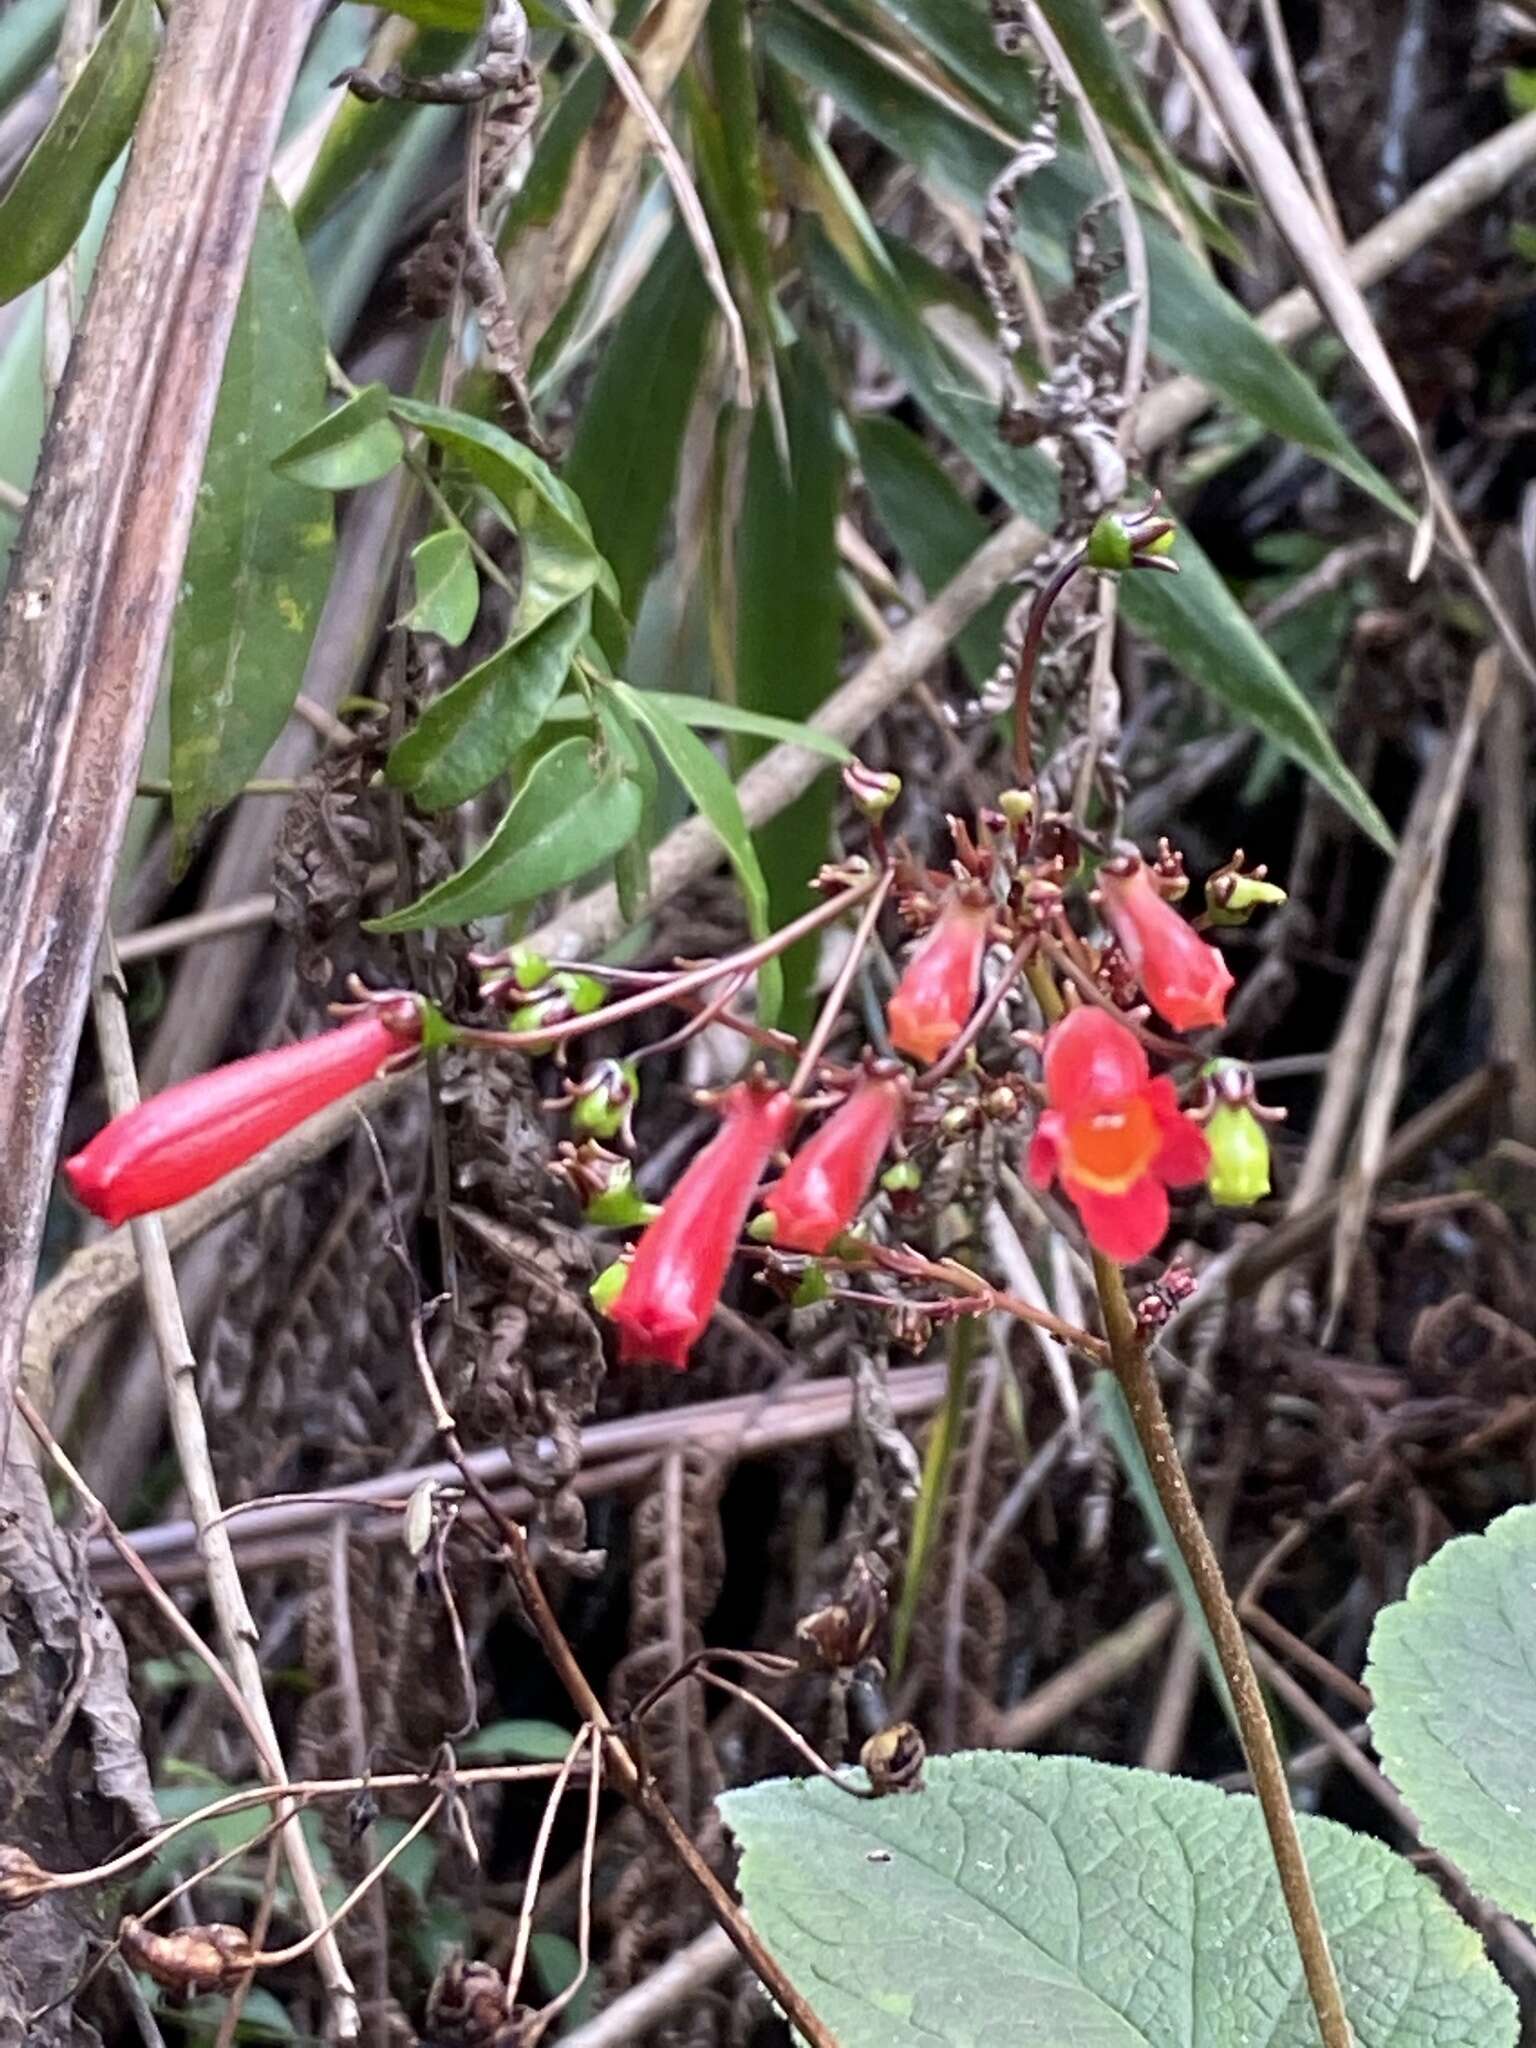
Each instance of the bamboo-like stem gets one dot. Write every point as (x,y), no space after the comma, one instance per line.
(1133,1369)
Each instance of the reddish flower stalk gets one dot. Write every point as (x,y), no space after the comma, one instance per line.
(187,1137)
(1114,1134)
(1185,980)
(829,1178)
(680,1263)
(935,997)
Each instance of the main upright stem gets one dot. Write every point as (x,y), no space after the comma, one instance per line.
(1133,1369)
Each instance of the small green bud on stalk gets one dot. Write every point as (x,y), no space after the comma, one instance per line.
(1239,1171)
(608,1286)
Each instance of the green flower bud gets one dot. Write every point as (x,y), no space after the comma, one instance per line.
(813,1287)
(1233,898)
(565,996)
(1109,544)
(528,969)
(620,1203)
(764,1227)
(605,1101)
(1017,806)
(1162,545)
(1239,1169)
(904,1178)
(608,1286)
(872,793)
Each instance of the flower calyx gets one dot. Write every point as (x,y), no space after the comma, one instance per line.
(602,1103)
(871,792)
(1157,1307)
(603,1183)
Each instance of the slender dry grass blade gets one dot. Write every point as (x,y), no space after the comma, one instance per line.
(1267,163)
(1381,1090)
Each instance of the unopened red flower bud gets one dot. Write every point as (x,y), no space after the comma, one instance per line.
(937,993)
(187,1137)
(829,1178)
(680,1263)
(1185,980)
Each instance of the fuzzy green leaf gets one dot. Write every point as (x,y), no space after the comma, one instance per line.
(259,558)
(1042,1901)
(447,586)
(355,444)
(1452,1671)
(49,200)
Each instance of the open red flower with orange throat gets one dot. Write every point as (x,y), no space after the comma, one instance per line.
(1113,1133)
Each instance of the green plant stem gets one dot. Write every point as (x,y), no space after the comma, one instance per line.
(1133,1369)
(938,1462)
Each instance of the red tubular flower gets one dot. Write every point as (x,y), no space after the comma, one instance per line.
(1114,1134)
(182,1140)
(937,993)
(680,1263)
(830,1176)
(1186,981)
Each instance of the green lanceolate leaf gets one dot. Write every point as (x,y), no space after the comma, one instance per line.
(259,558)
(49,200)
(934,526)
(1037,1901)
(1193,617)
(707,716)
(546,513)
(1454,1720)
(354,445)
(466,737)
(447,587)
(789,616)
(568,817)
(629,435)
(1206,633)
(1194,322)
(716,800)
